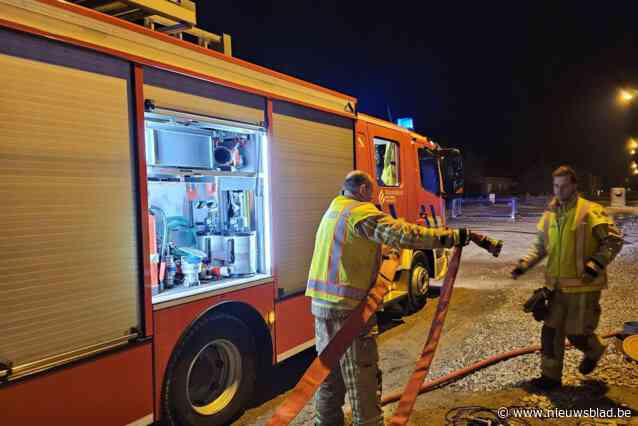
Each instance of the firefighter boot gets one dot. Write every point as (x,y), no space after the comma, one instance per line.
(587,366)
(593,349)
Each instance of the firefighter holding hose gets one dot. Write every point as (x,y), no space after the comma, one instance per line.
(344,266)
(579,240)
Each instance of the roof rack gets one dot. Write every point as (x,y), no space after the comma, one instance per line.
(177,18)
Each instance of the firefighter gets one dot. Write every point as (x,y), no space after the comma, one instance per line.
(580,240)
(344,267)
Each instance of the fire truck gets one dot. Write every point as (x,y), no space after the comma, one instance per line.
(160,201)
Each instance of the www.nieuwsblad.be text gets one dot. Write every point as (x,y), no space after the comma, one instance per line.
(539,413)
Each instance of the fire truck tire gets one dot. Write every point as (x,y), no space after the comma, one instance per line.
(211,375)
(418,283)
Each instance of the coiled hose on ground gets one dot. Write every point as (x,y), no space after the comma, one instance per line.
(459,374)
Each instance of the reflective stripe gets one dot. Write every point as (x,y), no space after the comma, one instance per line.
(564,283)
(580,249)
(546,230)
(335,289)
(579,227)
(581,213)
(146,420)
(338,240)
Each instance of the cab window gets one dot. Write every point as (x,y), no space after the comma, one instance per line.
(386,155)
(429,168)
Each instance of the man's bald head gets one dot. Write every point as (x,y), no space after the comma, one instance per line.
(359,185)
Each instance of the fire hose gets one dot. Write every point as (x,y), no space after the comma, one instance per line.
(329,357)
(460,373)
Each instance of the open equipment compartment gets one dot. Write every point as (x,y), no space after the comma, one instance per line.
(208,196)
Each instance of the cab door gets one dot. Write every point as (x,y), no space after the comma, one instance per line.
(427,192)
(388,148)
(362,148)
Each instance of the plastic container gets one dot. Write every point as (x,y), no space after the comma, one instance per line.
(190,269)
(171,271)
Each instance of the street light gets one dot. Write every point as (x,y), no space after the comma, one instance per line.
(627,95)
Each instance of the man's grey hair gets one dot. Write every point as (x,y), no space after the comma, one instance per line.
(355,179)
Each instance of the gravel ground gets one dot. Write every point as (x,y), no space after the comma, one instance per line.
(507,327)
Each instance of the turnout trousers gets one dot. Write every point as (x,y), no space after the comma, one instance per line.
(358,376)
(575,316)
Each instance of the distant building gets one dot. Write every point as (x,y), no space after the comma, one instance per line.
(497,185)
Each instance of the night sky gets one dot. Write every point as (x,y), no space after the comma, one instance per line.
(513,88)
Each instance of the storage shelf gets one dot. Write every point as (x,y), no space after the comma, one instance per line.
(180,294)
(154,171)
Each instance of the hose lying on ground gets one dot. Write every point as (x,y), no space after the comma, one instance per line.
(458,374)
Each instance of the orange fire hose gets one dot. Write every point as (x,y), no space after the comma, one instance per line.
(459,374)
(412,389)
(329,357)
(408,398)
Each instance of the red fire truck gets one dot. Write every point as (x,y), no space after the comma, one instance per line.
(160,200)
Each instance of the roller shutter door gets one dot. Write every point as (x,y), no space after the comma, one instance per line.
(185,94)
(312,152)
(69,270)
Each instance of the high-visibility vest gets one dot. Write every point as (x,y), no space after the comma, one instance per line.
(390,176)
(569,244)
(344,266)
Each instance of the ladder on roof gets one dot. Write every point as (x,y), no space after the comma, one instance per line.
(176,18)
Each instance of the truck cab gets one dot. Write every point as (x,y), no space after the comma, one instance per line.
(409,170)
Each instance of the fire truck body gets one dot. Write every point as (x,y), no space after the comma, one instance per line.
(127,153)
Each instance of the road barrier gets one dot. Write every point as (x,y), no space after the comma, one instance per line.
(485,207)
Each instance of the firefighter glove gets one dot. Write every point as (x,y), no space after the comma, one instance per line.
(519,270)
(538,304)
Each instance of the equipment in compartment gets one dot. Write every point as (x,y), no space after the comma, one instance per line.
(203,187)
(237,252)
(228,236)
(155,257)
(211,222)
(230,153)
(158,233)
(220,229)
(190,270)
(175,142)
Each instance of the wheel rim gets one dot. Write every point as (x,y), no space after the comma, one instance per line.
(420,281)
(213,377)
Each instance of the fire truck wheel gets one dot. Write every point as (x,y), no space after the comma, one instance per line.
(211,375)
(419,283)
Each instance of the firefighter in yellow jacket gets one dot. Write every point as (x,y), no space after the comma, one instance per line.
(579,240)
(344,267)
